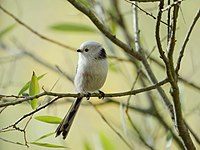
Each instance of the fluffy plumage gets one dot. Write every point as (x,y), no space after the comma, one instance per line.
(90,76)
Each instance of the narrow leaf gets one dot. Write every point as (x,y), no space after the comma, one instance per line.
(44,136)
(27,85)
(72,27)
(33,90)
(48,145)
(49,119)
(6,30)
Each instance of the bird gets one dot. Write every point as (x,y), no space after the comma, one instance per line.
(91,73)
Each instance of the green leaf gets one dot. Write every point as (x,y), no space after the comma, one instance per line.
(87,146)
(106,142)
(44,136)
(33,90)
(27,85)
(6,30)
(49,119)
(72,27)
(48,145)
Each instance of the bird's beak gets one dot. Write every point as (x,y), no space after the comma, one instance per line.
(78,50)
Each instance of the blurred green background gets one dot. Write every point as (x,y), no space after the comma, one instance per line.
(88,128)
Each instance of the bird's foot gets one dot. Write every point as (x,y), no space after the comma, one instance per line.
(102,95)
(88,96)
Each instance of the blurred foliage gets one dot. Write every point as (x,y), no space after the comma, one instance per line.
(72,27)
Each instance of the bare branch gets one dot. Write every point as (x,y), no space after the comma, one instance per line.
(147,13)
(104,29)
(106,121)
(182,50)
(157,34)
(35,32)
(172,5)
(29,114)
(6,100)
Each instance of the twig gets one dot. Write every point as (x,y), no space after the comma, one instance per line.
(182,50)
(3,109)
(6,101)
(173,79)
(35,32)
(147,13)
(29,114)
(36,110)
(8,141)
(172,5)
(193,133)
(104,29)
(157,33)
(106,121)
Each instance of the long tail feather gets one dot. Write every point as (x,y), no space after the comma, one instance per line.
(67,121)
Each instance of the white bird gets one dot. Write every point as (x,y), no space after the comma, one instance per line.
(90,76)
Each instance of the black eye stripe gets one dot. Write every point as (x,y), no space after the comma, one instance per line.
(102,54)
(86,50)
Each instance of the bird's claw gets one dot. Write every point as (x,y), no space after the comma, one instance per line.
(88,96)
(102,95)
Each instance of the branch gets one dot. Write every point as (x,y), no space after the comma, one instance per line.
(172,5)
(104,29)
(106,121)
(157,33)
(145,0)
(147,13)
(7,101)
(182,50)
(35,32)
(29,114)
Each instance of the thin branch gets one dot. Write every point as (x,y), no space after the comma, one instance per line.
(171,5)
(182,79)
(29,114)
(104,29)
(182,50)
(42,62)
(35,32)
(192,132)
(106,121)
(8,141)
(157,33)
(147,13)
(173,79)
(6,100)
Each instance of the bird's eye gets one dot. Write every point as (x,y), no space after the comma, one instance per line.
(86,50)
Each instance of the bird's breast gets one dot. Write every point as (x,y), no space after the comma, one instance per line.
(90,76)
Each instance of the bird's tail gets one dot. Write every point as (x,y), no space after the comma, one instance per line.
(67,121)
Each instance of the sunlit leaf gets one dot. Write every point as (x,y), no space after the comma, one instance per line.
(44,136)
(33,90)
(169,140)
(72,27)
(49,119)
(107,144)
(48,145)
(27,85)
(6,30)
(87,146)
